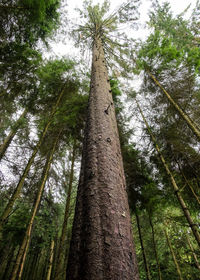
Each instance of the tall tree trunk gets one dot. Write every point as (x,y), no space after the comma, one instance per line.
(154,247)
(102,243)
(56,247)
(192,125)
(186,212)
(19,265)
(27,266)
(193,253)
(59,270)
(17,191)
(49,269)
(173,255)
(11,135)
(148,276)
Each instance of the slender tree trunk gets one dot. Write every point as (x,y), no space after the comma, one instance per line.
(19,265)
(188,184)
(11,135)
(66,255)
(45,263)
(49,269)
(186,212)
(191,188)
(27,266)
(194,172)
(67,245)
(193,126)
(31,265)
(193,253)
(40,264)
(155,249)
(148,276)
(102,242)
(61,251)
(17,191)
(56,247)
(34,269)
(173,256)
(11,264)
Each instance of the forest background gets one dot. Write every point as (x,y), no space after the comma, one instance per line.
(155,88)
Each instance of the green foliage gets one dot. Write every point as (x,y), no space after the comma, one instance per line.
(171,54)
(54,71)
(23,25)
(172,41)
(115,88)
(28,20)
(16,225)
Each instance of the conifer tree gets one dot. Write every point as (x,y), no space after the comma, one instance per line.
(102,244)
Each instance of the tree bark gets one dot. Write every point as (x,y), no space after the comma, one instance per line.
(192,125)
(155,249)
(17,191)
(102,243)
(19,264)
(186,212)
(173,255)
(11,135)
(49,269)
(148,276)
(59,270)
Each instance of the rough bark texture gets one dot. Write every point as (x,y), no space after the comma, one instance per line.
(102,243)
